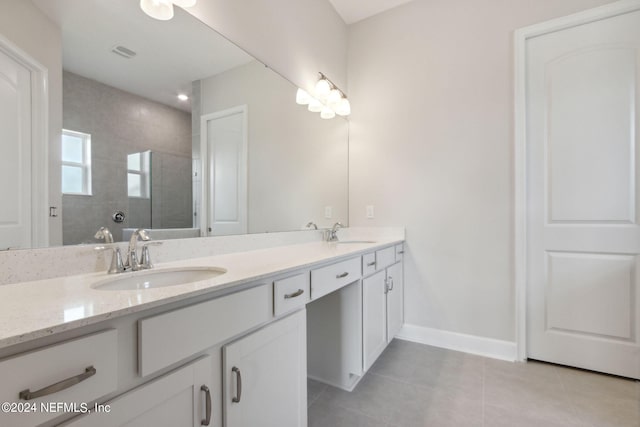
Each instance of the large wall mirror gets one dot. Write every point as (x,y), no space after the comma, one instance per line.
(234,154)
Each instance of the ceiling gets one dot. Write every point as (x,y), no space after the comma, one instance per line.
(170,54)
(91,28)
(356,10)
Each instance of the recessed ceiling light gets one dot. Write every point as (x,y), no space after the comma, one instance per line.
(183,97)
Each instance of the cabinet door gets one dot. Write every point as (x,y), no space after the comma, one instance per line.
(395,303)
(174,399)
(265,376)
(374,317)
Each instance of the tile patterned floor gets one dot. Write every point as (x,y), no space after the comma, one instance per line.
(413,385)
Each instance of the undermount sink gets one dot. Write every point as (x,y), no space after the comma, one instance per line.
(345,242)
(149,279)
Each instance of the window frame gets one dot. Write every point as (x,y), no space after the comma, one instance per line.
(144,173)
(85,165)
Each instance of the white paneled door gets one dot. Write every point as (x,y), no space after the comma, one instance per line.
(583,238)
(225,143)
(15,154)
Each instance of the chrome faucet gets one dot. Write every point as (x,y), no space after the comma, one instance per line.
(132,252)
(312,224)
(332,235)
(116,259)
(103,233)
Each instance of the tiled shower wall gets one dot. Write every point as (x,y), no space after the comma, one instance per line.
(121,123)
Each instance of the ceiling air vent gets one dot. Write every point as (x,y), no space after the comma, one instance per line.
(123,51)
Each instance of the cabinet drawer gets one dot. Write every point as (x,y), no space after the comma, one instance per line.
(368,264)
(72,360)
(385,257)
(171,337)
(290,293)
(327,279)
(399,252)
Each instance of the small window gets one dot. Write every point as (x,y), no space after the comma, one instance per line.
(138,168)
(76,162)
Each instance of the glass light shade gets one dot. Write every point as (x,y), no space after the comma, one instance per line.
(315,106)
(343,108)
(334,97)
(323,87)
(327,113)
(184,3)
(157,9)
(302,97)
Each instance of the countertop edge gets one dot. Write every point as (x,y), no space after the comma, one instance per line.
(211,291)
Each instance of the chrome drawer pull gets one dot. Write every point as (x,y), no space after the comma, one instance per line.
(371,264)
(207,395)
(340,276)
(400,252)
(295,294)
(239,379)
(59,386)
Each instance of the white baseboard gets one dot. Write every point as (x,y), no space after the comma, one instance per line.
(487,347)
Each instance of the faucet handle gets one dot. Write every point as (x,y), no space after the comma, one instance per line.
(144,236)
(145,258)
(117,266)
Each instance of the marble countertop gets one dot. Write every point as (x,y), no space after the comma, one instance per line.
(36,309)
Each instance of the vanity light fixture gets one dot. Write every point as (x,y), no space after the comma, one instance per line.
(315,106)
(183,97)
(327,113)
(302,97)
(343,108)
(163,9)
(323,87)
(334,98)
(184,3)
(329,100)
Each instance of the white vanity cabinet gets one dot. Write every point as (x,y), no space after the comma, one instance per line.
(265,376)
(182,397)
(374,317)
(395,303)
(239,357)
(75,372)
(382,302)
(291,293)
(173,336)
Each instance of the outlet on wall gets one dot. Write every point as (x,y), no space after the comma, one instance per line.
(328,212)
(370,212)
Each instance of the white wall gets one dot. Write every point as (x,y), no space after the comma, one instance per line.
(431,86)
(19,20)
(296,38)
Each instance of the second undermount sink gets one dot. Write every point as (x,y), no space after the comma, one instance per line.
(149,279)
